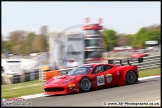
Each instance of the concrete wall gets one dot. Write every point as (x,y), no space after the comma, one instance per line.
(71,47)
(74,47)
(41,57)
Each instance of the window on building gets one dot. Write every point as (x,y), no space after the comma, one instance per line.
(93,42)
(74,39)
(74,53)
(92,32)
(93,54)
(13,61)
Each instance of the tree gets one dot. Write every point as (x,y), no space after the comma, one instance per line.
(145,34)
(39,43)
(5,46)
(153,35)
(124,40)
(16,39)
(110,39)
(138,38)
(16,49)
(154,27)
(44,30)
(35,44)
(44,33)
(28,42)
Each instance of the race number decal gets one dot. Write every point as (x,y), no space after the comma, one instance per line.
(108,78)
(100,80)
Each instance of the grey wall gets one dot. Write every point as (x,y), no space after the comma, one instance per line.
(74,43)
(42,57)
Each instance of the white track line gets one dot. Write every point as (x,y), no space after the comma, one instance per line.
(43,95)
(33,96)
(149,77)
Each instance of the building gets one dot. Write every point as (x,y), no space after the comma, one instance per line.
(93,42)
(74,47)
(79,46)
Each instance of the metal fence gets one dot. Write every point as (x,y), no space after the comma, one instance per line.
(29,75)
(24,76)
(148,62)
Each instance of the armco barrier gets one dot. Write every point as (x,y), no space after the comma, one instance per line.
(29,75)
(148,63)
(16,79)
(25,76)
(36,73)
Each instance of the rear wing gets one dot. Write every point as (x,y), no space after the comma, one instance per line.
(127,60)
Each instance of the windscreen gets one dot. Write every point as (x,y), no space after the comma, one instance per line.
(80,70)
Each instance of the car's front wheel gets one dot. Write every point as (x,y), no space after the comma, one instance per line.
(131,77)
(85,84)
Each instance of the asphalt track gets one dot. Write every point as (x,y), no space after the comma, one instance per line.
(145,91)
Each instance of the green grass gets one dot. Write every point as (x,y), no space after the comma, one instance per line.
(149,72)
(34,87)
(21,89)
(23,84)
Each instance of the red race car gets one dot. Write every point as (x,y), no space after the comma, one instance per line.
(140,55)
(93,76)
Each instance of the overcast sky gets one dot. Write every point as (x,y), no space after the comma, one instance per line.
(123,17)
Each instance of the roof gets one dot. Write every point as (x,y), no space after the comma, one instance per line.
(94,64)
(70,59)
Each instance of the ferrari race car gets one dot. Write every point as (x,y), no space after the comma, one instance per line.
(93,76)
(141,55)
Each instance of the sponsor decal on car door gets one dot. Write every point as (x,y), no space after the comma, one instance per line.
(109,78)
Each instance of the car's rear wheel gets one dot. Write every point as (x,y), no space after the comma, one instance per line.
(85,84)
(131,77)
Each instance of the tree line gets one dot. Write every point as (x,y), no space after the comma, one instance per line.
(137,40)
(22,42)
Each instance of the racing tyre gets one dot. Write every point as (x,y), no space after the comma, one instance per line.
(131,77)
(85,84)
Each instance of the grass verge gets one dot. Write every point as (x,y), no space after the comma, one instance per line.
(150,72)
(36,86)
(22,89)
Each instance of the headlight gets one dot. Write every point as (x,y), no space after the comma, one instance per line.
(66,81)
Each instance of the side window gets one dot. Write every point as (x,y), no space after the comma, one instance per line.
(98,69)
(107,67)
